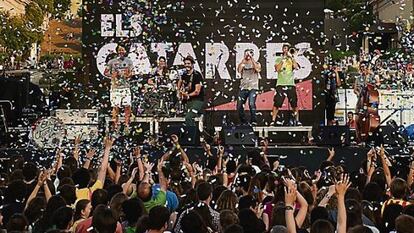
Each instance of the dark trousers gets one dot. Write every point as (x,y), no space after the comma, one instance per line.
(330,108)
(245,95)
(194,109)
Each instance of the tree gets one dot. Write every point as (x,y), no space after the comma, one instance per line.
(45,5)
(15,34)
(34,14)
(357,12)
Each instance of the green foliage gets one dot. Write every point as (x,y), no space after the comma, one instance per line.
(34,14)
(335,5)
(61,6)
(16,34)
(45,5)
(3,57)
(357,12)
(338,55)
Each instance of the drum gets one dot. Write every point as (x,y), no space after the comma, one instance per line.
(173,75)
(48,132)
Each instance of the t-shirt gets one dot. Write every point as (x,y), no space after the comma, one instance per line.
(159,200)
(86,193)
(330,83)
(189,83)
(87,223)
(249,78)
(122,66)
(285,74)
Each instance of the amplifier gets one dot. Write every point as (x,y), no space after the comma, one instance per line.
(78,116)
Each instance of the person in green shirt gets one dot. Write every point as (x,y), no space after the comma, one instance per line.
(144,191)
(285,86)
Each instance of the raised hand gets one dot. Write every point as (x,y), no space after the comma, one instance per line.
(77,140)
(108,142)
(118,162)
(91,153)
(148,166)
(290,183)
(41,179)
(134,173)
(342,185)
(290,196)
(221,150)
(174,138)
(137,151)
(331,152)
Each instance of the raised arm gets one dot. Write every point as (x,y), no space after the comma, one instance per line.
(126,186)
(104,164)
(59,161)
(331,154)
(341,187)
(384,162)
(290,199)
(89,157)
(76,148)
(265,146)
(162,180)
(410,175)
(303,211)
(191,174)
(328,196)
(207,149)
(176,142)
(41,179)
(220,159)
(118,170)
(148,167)
(138,158)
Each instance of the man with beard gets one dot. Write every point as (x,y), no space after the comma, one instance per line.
(191,91)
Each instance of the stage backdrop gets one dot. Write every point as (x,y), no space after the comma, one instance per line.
(215,33)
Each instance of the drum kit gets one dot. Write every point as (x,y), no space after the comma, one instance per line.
(157,98)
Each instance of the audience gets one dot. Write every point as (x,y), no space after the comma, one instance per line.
(226,194)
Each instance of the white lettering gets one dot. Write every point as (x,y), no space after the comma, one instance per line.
(217,54)
(185,49)
(120,32)
(106,25)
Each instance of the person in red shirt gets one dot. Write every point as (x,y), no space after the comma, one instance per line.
(351,120)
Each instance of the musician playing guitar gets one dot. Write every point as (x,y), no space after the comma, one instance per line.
(366,117)
(191,91)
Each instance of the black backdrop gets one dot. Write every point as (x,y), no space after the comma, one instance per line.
(200,22)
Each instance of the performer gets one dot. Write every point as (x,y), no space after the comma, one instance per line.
(191,91)
(332,82)
(159,73)
(361,84)
(249,86)
(120,69)
(285,86)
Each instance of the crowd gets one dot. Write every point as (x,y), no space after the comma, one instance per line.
(83,192)
(395,72)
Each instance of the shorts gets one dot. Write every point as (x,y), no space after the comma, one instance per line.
(120,97)
(285,91)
